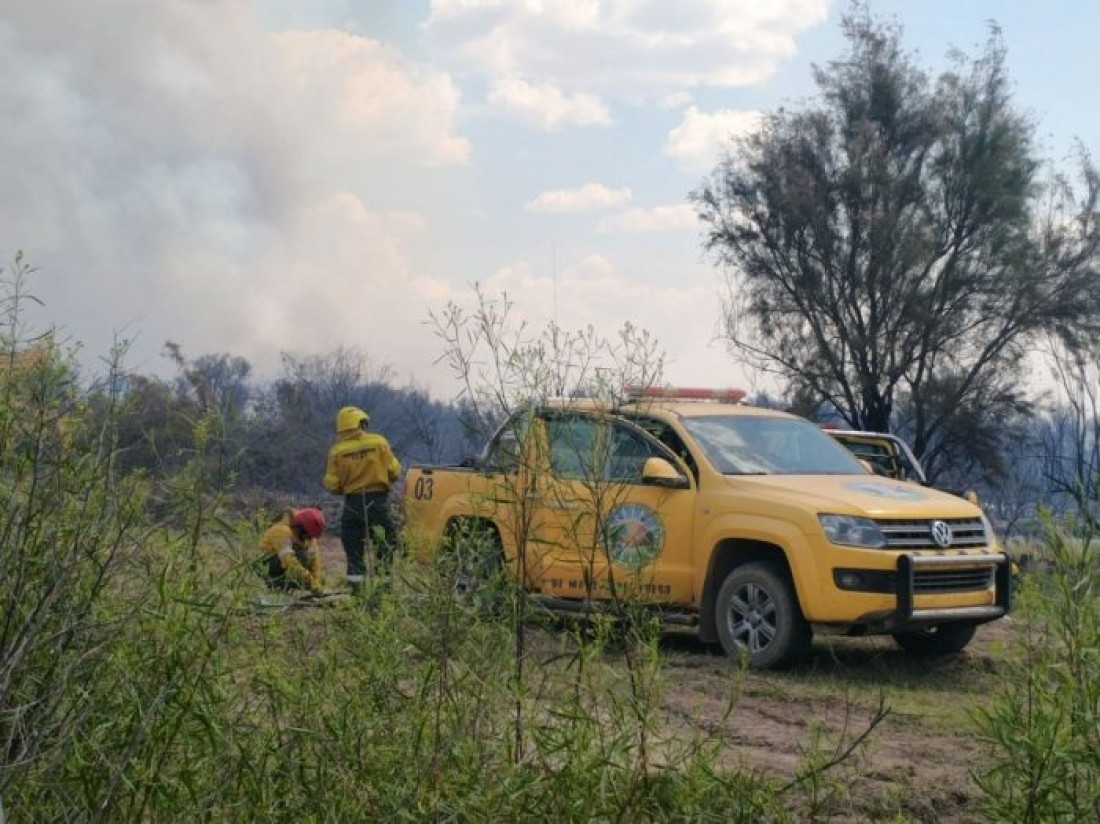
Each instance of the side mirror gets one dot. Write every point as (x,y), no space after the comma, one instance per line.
(659,472)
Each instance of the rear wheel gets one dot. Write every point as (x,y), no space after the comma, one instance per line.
(472,559)
(757,614)
(942,639)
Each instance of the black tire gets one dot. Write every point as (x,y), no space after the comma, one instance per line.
(473,559)
(942,639)
(757,615)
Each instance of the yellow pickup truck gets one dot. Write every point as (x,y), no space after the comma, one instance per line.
(749,525)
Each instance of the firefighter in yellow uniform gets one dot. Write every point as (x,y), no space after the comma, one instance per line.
(362,468)
(291,559)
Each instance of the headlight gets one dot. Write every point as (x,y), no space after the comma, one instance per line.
(847,530)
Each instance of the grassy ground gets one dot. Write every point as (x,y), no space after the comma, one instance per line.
(916,763)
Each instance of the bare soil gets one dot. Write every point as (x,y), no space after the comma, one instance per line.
(915,765)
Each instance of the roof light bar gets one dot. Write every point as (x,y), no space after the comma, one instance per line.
(685,393)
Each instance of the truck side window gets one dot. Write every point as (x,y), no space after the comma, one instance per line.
(667,435)
(504,452)
(629,452)
(879,457)
(574,447)
(585,448)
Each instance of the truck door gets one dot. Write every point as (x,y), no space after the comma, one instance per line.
(602,530)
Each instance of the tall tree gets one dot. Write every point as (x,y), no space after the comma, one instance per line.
(890,240)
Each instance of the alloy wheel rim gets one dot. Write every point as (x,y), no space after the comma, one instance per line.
(752,618)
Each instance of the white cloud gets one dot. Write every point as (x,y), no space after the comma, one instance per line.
(676,100)
(657,219)
(634,48)
(455,8)
(545,106)
(592,291)
(697,142)
(587,198)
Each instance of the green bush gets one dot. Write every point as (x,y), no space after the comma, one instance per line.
(1043,729)
(204,710)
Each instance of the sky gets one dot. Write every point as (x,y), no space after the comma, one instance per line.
(264,176)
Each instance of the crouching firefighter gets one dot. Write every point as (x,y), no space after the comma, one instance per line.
(291,559)
(362,468)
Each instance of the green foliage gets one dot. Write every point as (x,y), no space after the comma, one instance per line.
(66,528)
(1043,728)
(206,710)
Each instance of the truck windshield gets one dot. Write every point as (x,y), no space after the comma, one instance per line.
(758,445)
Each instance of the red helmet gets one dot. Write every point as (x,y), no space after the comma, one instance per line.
(311,521)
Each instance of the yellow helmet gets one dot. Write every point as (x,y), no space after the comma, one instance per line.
(350,417)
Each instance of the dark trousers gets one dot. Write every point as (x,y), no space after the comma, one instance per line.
(275,576)
(366,518)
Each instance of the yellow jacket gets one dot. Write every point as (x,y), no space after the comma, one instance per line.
(279,541)
(361,462)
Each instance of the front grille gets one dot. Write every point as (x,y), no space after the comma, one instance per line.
(917,534)
(929,581)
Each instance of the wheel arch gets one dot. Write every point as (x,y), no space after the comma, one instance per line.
(459,522)
(729,554)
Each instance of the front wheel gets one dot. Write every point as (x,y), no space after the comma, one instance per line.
(942,639)
(757,614)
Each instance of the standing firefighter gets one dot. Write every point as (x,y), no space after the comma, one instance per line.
(291,559)
(362,468)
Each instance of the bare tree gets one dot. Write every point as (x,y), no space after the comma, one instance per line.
(1073,437)
(513,376)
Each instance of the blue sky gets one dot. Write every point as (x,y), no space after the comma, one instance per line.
(277,175)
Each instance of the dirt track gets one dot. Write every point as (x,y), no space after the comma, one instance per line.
(916,763)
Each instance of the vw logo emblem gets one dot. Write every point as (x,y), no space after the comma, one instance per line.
(941,533)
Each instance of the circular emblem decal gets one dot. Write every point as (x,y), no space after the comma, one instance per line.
(635,535)
(898,492)
(941,533)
